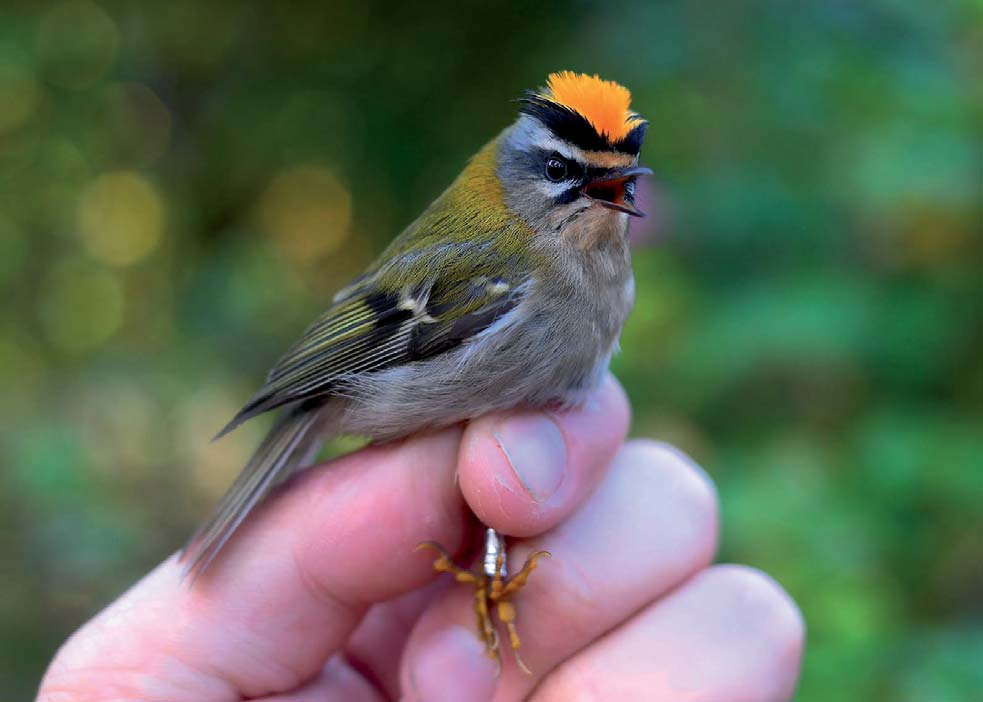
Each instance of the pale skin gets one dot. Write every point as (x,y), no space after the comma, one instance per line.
(322,596)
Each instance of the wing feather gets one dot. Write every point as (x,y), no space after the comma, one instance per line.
(371,328)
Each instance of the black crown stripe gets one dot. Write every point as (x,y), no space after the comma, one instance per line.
(571,126)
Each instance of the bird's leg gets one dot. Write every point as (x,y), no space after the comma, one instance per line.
(502,590)
(486,627)
(493,590)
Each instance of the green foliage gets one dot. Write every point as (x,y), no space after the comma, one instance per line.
(183,185)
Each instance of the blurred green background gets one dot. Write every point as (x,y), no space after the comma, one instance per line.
(184,185)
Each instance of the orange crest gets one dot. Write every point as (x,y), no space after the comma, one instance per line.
(603,103)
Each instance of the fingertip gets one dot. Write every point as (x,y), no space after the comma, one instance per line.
(767,606)
(446,661)
(523,471)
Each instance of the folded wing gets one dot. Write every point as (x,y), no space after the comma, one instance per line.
(373,327)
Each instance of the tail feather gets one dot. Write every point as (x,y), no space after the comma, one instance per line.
(285,447)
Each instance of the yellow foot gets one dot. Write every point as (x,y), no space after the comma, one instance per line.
(492,591)
(501,594)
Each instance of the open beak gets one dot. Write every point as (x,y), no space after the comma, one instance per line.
(615,189)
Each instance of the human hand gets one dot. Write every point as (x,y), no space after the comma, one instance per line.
(322,595)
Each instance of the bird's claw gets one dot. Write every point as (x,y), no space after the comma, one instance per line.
(492,593)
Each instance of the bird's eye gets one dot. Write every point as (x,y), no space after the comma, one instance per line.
(556,169)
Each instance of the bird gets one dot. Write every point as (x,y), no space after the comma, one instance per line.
(509,290)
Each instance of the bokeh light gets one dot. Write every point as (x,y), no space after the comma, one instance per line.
(120,218)
(306,210)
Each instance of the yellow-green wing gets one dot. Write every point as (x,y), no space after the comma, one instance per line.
(371,328)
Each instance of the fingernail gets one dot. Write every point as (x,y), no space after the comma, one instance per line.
(537,452)
(452,666)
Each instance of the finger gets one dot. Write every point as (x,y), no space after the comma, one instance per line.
(451,667)
(649,526)
(292,585)
(338,682)
(376,646)
(523,472)
(731,633)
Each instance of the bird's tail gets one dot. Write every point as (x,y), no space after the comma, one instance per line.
(289,443)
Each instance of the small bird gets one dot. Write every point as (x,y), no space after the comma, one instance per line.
(510,289)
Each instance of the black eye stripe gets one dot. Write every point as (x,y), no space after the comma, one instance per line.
(567,196)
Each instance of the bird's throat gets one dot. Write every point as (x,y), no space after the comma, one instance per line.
(597,228)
